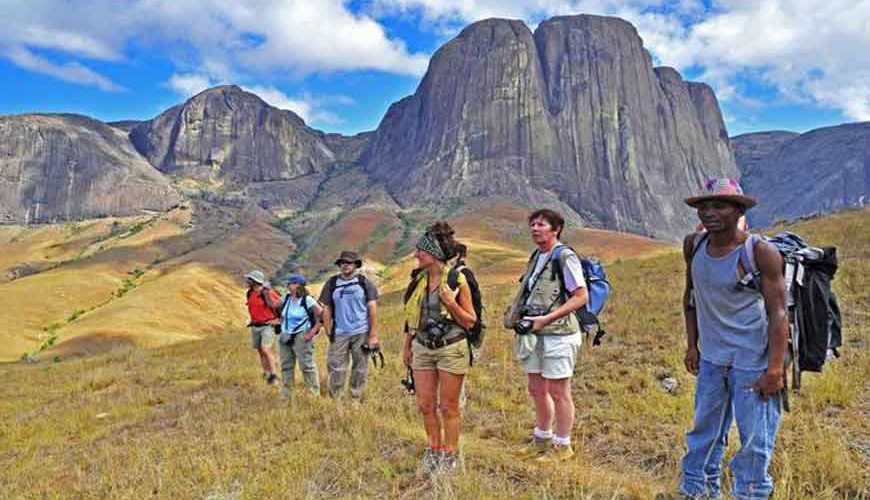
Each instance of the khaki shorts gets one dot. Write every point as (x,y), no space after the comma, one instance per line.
(262,336)
(554,356)
(451,359)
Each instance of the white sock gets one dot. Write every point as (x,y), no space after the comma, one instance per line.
(562,441)
(545,435)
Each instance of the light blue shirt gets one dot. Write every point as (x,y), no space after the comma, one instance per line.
(294,317)
(351,312)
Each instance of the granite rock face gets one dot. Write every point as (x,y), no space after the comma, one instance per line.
(227,136)
(794,175)
(575,110)
(70,167)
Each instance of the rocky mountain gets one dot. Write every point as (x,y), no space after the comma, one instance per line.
(69,167)
(574,111)
(800,174)
(231,141)
(573,115)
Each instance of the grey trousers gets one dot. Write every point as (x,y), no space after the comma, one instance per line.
(342,350)
(303,352)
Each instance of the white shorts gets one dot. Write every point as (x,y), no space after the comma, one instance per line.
(554,356)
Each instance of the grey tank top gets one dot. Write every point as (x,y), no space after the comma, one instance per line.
(433,310)
(732,321)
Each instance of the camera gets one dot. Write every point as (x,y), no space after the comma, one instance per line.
(433,328)
(524,326)
(408,381)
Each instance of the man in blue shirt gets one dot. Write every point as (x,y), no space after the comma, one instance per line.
(349,314)
(737,340)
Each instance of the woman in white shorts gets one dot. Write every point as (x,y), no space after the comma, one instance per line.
(548,335)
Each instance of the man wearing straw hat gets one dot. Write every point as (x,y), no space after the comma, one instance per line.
(736,344)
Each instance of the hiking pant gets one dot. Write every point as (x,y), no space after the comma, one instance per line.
(297,349)
(341,350)
(724,394)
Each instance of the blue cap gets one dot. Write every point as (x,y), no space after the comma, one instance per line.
(295,279)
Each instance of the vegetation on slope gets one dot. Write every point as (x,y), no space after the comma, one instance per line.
(195,420)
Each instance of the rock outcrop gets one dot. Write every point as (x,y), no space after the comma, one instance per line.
(227,136)
(575,111)
(796,175)
(70,167)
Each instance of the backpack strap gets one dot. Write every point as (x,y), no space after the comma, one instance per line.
(364,284)
(556,270)
(751,273)
(698,238)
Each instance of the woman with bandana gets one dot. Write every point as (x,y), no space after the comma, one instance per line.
(436,318)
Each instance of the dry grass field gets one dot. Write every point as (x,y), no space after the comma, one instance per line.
(194,419)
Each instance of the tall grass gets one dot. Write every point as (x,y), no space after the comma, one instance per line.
(196,421)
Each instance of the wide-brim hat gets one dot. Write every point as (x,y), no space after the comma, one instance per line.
(256,276)
(349,256)
(723,189)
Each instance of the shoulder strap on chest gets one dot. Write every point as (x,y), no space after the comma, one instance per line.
(696,242)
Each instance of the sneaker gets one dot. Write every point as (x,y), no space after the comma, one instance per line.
(286,393)
(271,379)
(535,448)
(431,460)
(558,453)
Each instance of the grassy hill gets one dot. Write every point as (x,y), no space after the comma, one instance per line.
(193,419)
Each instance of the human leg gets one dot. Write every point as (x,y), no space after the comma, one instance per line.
(359,366)
(449,388)
(337,359)
(305,354)
(426,383)
(757,422)
(701,465)
(288,363)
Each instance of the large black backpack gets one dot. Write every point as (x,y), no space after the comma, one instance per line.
(477,332)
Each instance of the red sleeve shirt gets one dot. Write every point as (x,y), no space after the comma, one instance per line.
(258,309)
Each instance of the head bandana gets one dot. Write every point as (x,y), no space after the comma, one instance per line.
(429,244)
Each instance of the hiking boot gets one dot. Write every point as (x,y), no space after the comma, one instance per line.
(558,453)
(449,462)
(271,378)
(535,448)
(431,460)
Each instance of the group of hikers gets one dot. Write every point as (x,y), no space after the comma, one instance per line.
(736,339)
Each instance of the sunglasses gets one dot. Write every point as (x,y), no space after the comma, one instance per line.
(343,262)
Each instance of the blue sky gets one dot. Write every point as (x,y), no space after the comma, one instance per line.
(793,65)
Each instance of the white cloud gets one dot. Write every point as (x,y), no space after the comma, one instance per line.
(808,50)
(189,84)
(312,109)
(70,72)
(224,40)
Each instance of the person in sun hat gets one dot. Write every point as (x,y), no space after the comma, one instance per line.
(736,344)
(263,302)
(300,324)
(350,316)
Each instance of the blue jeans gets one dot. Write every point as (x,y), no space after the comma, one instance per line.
(723,394)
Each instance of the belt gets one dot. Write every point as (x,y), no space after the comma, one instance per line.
(439,343)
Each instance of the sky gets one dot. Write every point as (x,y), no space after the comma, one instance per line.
(774,65)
